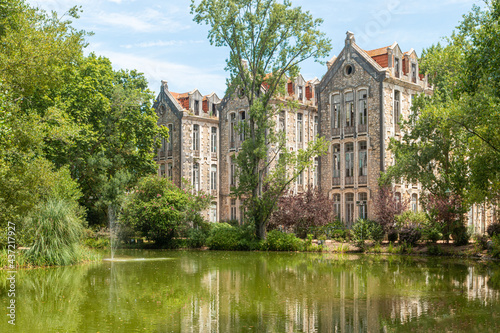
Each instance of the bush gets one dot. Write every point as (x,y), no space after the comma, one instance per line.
(196,238)
(409,235)
(409,218)
(280,241)
(493,229)
(223,236)
(480,241)
(392,235)
(367,230)
(335,230)
(431,231)
(494,247)
(161,211)
(460,235)
(57,230)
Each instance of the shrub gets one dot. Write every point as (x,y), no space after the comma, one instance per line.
(409,218)
(409,235)
(446,211)
(303,211)
(431,231)
(434,250)
(161,211)
(480,241)
(460,235)
(223,237)
(387,207)
(57,230)
(493,229)
(280,241)
(196,238)
(367,230)
(392,235)
(494,247)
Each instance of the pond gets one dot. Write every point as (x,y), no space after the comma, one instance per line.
(205,291)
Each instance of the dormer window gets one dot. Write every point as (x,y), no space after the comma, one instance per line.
(196,108)
(214,110)
(301,93)
(414,73)
(396,67)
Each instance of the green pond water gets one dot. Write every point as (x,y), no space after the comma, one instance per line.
(204,291)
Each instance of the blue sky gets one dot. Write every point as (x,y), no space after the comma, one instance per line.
(160,39)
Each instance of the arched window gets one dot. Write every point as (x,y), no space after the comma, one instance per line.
(336,164)
(349,109)
(232,130)
(414,202)
(196,177)
(336,114)
(363,163)
(196,137)
(349,209)
(336,206)
(349,163)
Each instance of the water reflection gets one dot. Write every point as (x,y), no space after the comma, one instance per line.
(260,292)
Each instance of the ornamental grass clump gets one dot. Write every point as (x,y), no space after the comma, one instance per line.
(57,230)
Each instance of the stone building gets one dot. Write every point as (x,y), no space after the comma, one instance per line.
(356,107)
(300,126)
(191,152)
(362,97)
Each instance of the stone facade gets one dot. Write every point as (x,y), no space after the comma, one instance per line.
(191,152)
(356,107)
(360,105)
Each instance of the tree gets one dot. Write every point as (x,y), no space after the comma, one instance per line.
(160,210)
(302,211)
(387,207)
(273,39)
(452,140)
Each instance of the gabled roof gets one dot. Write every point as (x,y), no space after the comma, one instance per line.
(378,52)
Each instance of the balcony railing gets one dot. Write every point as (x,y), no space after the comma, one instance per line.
(214,155)
(232,144)
(362,128)
(300,145)
(196,153)
(213,193)
(349,130)
(349,180)
(336,131)
(162,154)
(363,180)
(336,181)
(169,153)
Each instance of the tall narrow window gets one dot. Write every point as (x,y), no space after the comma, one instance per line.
(213,140)
(300,178)
(213,177)
(363,162)
(233,209)
(396,67)
(336,114)
(300,128)
(414,205)
(362,204)
(196,177)
(301,93)
(397,108)
(232,171)
(349,163)
(242,125)
(315,126)
(232,130)
(349,111)
(170,173)
(414,73)
(336,206)
(397,198)
(170,136)
(281,121)
(362,111)
(336,165)
(316,172)
(163,144)
(349,208)
(197,108)
(196,137)
(214,109)
(162,170)
(213,212)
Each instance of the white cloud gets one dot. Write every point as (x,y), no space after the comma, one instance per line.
(161,43)
(149,20)
(181,77)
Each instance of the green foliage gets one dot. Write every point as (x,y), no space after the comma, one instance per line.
(197,238)
(335,230)
(365,229)
(392,235)
(57,230)
(409,218)
(160,210)
(493,229)
(460,235)
(480,242)
(226,237)
(409,235)
(435,250)
(432,231)
(494,247)
(280,241)
(273,38)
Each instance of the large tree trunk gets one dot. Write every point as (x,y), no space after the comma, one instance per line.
(260,230)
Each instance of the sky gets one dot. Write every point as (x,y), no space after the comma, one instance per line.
(160,39)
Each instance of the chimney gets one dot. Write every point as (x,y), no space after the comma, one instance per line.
(349,38)
(164,84)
